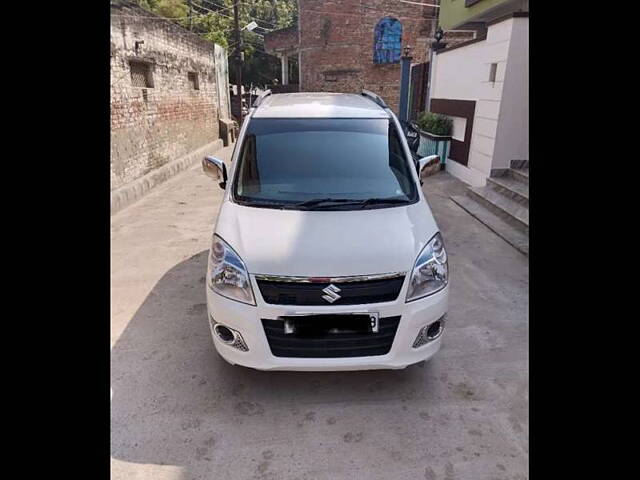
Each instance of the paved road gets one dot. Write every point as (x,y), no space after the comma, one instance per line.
(180,412)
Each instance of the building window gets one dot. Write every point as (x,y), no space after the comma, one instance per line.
(141,74)
(193,80)
(492,72)
(387,41)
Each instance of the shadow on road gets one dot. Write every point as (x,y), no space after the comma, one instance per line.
(176,402)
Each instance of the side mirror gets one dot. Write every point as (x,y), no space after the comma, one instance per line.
(425,162)
(216,169)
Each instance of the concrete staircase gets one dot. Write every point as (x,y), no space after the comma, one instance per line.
(503,204)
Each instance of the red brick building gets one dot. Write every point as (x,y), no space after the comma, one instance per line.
(339,44)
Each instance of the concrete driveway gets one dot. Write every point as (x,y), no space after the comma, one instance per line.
(180,412)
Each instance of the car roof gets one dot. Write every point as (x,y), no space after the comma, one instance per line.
(319,105)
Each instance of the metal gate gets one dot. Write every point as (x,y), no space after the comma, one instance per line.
(418,89)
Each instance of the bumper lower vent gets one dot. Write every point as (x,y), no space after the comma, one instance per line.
(331,345)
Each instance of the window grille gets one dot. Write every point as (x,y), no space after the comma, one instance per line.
(193,80)
(141,75)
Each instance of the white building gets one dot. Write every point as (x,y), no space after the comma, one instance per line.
(484,85)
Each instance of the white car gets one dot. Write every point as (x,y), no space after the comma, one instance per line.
(325,254)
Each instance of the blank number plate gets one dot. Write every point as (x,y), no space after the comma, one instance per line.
(336,323)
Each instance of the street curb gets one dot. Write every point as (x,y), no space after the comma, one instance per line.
(134,191)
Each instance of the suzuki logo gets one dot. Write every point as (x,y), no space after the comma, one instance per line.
(331,293)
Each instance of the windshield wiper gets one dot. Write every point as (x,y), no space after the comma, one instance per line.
(320,202)
(261,203)
(382,201)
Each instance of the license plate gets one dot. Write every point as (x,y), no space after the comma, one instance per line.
(338,323)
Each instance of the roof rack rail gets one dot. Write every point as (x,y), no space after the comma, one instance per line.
(258,101)
(374,97)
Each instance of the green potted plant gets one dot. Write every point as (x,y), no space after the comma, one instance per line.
(435,135)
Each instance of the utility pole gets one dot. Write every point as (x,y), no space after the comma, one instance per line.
(238,37)
(190,16)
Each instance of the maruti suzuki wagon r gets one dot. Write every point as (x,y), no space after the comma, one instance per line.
(325,254)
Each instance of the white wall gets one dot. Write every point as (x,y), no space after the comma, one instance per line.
(457,73)
(459,127)
(512,139)
(463,74)
(222,80)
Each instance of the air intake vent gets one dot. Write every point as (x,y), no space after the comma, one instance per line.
(330,345)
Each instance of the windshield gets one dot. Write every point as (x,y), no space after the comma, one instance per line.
(323,164)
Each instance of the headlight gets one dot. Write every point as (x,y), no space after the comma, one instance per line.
(227,273)
(431,272)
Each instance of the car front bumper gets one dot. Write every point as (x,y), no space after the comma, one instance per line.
(246,319)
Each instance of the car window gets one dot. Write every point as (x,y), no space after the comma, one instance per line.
(288,161)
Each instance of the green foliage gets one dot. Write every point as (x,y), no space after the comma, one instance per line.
(171,8)
(148,4)
(213,20)
(435,123)
(213,28)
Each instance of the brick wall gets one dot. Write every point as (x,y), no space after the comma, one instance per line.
(283,39)
(336,44)
(153,126)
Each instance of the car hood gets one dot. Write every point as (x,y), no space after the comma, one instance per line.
(326,243)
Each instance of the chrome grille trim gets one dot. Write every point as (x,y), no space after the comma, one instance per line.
(355,278)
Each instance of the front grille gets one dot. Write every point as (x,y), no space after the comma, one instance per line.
(331,345)
(351,293)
